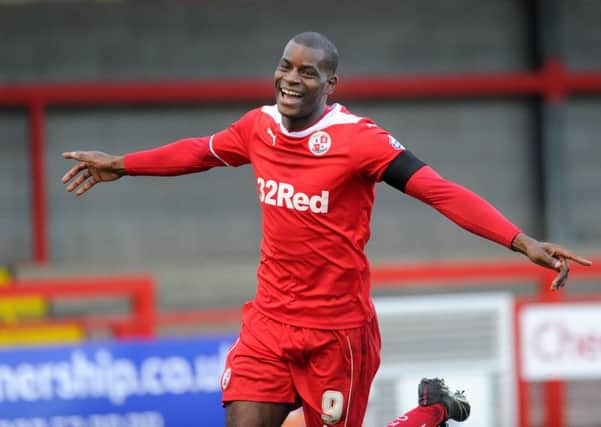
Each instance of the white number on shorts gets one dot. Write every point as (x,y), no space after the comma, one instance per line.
(332,402)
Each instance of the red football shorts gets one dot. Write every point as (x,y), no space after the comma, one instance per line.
(329,372)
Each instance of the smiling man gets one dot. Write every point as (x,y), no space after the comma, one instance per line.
(304,78)
(310,336)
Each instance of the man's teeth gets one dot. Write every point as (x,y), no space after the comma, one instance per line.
(291,93)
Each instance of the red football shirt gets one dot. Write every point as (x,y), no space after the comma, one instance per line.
(316,190)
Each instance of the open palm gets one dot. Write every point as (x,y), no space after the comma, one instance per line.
(92,167)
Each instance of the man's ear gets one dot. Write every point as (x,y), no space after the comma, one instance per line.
(332,82)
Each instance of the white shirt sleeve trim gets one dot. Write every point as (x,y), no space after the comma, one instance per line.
(214,153)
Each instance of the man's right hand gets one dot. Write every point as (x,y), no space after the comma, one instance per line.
(95,167)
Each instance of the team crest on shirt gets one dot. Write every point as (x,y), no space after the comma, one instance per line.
(225,378)
(319,143)
(394,143)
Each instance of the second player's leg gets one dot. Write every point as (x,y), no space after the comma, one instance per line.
(430,416)
(437,404)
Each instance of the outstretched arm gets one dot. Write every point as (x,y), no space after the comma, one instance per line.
(473,213)
(224,148)
(177,158)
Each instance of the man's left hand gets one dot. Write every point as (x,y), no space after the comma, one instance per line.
(548,255)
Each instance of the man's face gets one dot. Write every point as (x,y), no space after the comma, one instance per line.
(301,85)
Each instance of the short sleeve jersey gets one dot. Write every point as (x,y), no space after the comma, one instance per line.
(316,191)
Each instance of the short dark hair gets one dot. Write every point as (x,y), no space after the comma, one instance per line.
(316,40)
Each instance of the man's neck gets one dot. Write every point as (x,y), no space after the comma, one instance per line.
(295,124)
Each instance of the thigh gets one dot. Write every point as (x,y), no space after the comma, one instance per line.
(254,370)
(255,414)
(334,386)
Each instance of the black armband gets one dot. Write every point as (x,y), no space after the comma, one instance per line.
(402,168)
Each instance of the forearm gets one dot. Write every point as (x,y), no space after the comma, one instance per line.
(462,206)
(177,158)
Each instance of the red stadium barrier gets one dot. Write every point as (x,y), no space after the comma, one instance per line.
(139,290)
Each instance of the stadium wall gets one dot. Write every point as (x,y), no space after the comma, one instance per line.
(484,144)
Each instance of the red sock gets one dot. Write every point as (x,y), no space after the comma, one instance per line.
(421,416)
